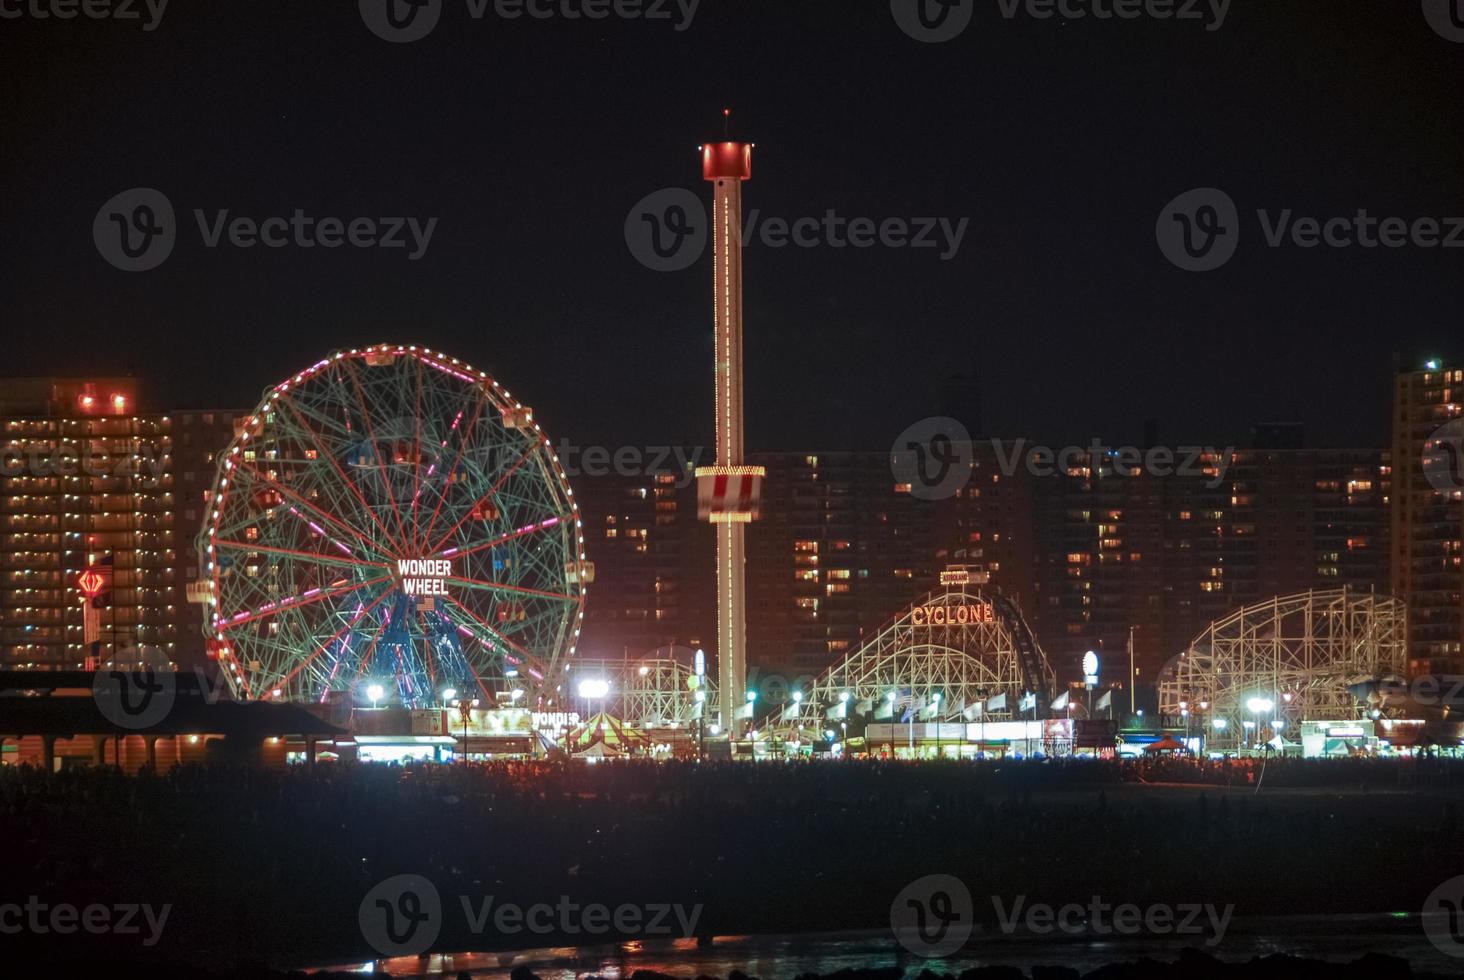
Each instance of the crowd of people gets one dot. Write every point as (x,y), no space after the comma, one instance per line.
(273,863)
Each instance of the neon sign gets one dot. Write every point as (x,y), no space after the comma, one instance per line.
(965,614)
(424,576)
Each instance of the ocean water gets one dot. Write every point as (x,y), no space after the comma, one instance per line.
(1337,939)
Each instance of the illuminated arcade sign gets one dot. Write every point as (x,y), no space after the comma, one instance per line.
(965,614)
(424,576)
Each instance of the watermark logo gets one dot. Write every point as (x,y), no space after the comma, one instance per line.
(148,12)
(1443,458)
(933,21)
(64,919)
(1100,918)
(1443,917)
(404,915)
(1446,17)
(933,916)
(137,691)
(937,21)
(401,916)
(667,230)
(1199,230)
(136,230)
(146,465)
(592,462)
(404,21)
(933,458)
(401,21)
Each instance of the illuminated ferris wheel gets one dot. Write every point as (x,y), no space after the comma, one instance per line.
(391,518)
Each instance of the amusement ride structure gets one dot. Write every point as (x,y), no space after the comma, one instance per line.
(390,522)
(1260,672)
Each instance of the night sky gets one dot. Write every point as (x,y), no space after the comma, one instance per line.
(1060,141)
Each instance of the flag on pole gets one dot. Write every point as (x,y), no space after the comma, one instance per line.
(972,712)
(1106,701)
(886,709)
(745,711)
(1062,701)
(997,703)
(865,706)
(838,712)
(790,711)
(1028,702)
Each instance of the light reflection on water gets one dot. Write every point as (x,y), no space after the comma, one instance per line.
(1336,939)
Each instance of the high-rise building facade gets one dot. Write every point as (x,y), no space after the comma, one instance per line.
(1089,554)
(91,481)
(1428,513)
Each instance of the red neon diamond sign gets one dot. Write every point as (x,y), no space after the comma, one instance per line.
(91,583)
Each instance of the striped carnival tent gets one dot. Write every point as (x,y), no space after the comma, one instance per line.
(604,735)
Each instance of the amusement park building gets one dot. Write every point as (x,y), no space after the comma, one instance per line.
(1428,513)
(842,547)
(89,480)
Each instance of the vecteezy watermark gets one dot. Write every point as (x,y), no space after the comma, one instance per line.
(1443,917)
(137,691)
(64,919)
(667,231)
(935,21)
(138,687)
(137,229)
(149,13)
(677,462)
(404,21)
(935,458)
(1443,458)
(933,916)
(404,915)
(1200,230)
(146,463)
(1100,918)
(1434,690)
(1446,17)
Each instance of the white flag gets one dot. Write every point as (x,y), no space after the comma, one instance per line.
(1106,701)
(865,706)
(1062,702)
(972,712)
(997,703)
(838,712)
(745,711)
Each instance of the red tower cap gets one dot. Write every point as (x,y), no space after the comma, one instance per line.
(727,160)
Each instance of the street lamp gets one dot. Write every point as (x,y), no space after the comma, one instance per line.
(375,692)
(1259,706)
(448,693)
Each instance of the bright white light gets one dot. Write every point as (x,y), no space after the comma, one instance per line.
(1259,706)
(716,729)
(594,688)
(1221,724)
(1090,663)
(844,697)
(375,692)
(448,693)
(515,694)
(797,697)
